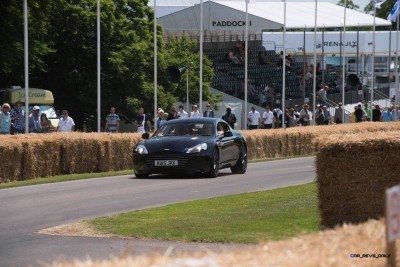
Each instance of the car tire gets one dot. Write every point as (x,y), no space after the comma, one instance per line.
(214,165)
(241,165)
(141,175)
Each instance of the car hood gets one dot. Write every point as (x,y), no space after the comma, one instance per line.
(174,144)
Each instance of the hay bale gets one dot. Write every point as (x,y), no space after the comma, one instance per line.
(353,171)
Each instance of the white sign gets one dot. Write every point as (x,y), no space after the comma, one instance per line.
(393,213)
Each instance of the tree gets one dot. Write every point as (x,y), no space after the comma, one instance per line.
(12,42)
(349,4)
(63,56)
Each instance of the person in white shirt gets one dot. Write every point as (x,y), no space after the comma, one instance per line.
(268,118)
(66,123)
(195,113)
(253,118)
(182,114)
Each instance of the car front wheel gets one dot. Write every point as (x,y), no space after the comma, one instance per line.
(241,165)
(141,175)
(214,164)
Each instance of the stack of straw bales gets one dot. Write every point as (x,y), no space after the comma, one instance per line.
(353,171)
(330,248)
(42,155)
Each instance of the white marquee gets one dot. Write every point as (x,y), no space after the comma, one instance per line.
(228,17)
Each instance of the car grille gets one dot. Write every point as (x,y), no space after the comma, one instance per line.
(181,158)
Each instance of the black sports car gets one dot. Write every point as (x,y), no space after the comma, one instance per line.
(203,145)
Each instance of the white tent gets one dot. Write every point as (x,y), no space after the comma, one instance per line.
(228,17)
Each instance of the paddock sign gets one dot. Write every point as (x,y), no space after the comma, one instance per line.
(393,213)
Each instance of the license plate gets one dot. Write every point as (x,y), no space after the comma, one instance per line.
(166,163)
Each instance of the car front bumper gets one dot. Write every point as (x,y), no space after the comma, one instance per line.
(187,163)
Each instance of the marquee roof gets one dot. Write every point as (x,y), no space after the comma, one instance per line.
(229,17)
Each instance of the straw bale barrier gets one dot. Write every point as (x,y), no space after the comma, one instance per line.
(329,248)
(42,155)
(353,171)
(35,155)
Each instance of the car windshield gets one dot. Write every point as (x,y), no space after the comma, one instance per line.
(185,129)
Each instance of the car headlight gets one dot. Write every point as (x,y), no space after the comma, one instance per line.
(197,149)
(141,149)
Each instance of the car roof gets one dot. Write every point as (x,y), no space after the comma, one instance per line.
(193,120)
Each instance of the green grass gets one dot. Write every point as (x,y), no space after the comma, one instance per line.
(244,218)
(63,178)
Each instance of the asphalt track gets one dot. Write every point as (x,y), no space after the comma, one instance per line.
(26,210)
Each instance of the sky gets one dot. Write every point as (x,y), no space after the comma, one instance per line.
(361,3)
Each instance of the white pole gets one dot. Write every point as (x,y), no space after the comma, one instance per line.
(246,42)
(373,63)
(396,102)
(26,66)
(155,64)
(315,62)
(201,59)
(187,89)
(98,70)
(284,66)
(343,61)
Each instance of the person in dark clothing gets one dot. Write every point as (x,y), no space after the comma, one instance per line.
(358,113)
(376,113)
(230,118)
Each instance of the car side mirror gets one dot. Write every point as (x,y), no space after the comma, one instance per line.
(228,134)
(145,136)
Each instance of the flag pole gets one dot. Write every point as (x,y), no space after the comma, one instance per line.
(344,61)
(155,64)
(246,42)
(315,62)
(284,66)
(396,71)
(201,59)
(373,62)
(26,66)
(98,70)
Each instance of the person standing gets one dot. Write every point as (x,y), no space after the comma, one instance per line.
(327,115)
(376,113)
(208,112)
(142,122)
(18,118)
(253,118)
(45,123)
(182,114)
(268,118)
(319,116)
(305,115)
(162,118)
(387,115)
(367,111)
(5,119)
(112,122)
(34,121)
(173,115)
(339,114)
(322,95)
(359,114)
(230,118)
(195,113)
(66,123)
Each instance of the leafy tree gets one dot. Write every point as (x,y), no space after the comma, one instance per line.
(349,4)
(12,42)
(63,56)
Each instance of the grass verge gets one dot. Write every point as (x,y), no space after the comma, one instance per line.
(243,218)
(63,178)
